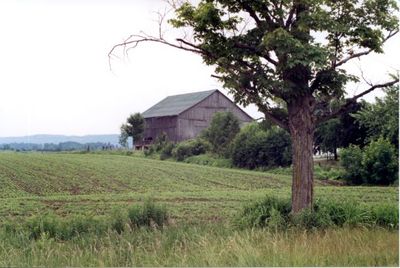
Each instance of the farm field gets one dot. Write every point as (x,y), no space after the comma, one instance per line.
(202,199)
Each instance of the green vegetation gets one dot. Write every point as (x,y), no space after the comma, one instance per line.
(205,246)
(222,130)
(188,148)
(376,163)
(381,119)
(134,128)
(84,210)
(273,212)
(255,147)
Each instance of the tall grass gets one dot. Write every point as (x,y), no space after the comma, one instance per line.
(273,212)
(207,246)
(49,225)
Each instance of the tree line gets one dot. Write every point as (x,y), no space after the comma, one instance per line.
(57,147)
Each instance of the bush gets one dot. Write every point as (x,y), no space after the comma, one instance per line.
(209,160)
(166,150)
(380,162)
(162,146)
(254,147)
(275,213)
(189,148)
(375,164)
(148,215)
(222,130)
(263,213)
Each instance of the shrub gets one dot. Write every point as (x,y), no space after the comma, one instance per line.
(375,164)
(162,146)
(189,148)
(209,160)
(148,215)
(166,151)
(255,147)
(222,130)
(264,213)
(380,162)
(274,213)
(351,160)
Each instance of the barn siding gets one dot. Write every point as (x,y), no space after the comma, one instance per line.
(156,125)
(192,121)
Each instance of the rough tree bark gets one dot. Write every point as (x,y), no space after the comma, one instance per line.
(301,127)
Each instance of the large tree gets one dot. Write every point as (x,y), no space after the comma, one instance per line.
(284,51)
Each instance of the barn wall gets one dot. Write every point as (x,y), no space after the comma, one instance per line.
(197,118)
(156,125)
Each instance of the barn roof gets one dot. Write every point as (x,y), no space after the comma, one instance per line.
(175,105)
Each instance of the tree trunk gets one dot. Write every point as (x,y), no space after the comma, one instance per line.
(301,126)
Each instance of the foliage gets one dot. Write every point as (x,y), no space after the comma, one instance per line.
(162,146)
(382,118)
(377,163)
(351,160)
(254,147)
(340,132)
(380,162)
(188,148)
(123,137)
(134,128)
(327,137)
(209,160)
(273,212)
(148,215)
(222,130)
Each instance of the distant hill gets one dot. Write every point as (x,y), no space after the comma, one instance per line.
(42,139)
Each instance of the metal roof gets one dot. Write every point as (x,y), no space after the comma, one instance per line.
(175,105)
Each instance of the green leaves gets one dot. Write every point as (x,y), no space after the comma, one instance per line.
(133,128)
(264,50)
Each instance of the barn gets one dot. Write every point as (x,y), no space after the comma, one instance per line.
(184,116)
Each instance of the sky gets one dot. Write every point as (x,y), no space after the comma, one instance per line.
(55,76)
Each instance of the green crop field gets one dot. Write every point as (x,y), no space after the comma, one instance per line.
(195,196)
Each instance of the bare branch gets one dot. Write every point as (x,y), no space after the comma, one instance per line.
(345,107)
(134,40)
(362,53)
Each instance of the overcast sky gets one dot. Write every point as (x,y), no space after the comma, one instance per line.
(55,76)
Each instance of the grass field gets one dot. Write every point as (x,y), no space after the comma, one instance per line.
(96,184)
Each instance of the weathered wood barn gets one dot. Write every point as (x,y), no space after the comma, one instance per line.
(184,116)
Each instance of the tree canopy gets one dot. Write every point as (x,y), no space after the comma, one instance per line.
(382,117)
(134,128)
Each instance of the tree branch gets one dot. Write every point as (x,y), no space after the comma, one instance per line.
(344,108)
(362,53)
(134,40)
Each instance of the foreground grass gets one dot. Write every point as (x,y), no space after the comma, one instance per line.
(208,246)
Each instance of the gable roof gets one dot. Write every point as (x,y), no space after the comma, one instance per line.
(175,105)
